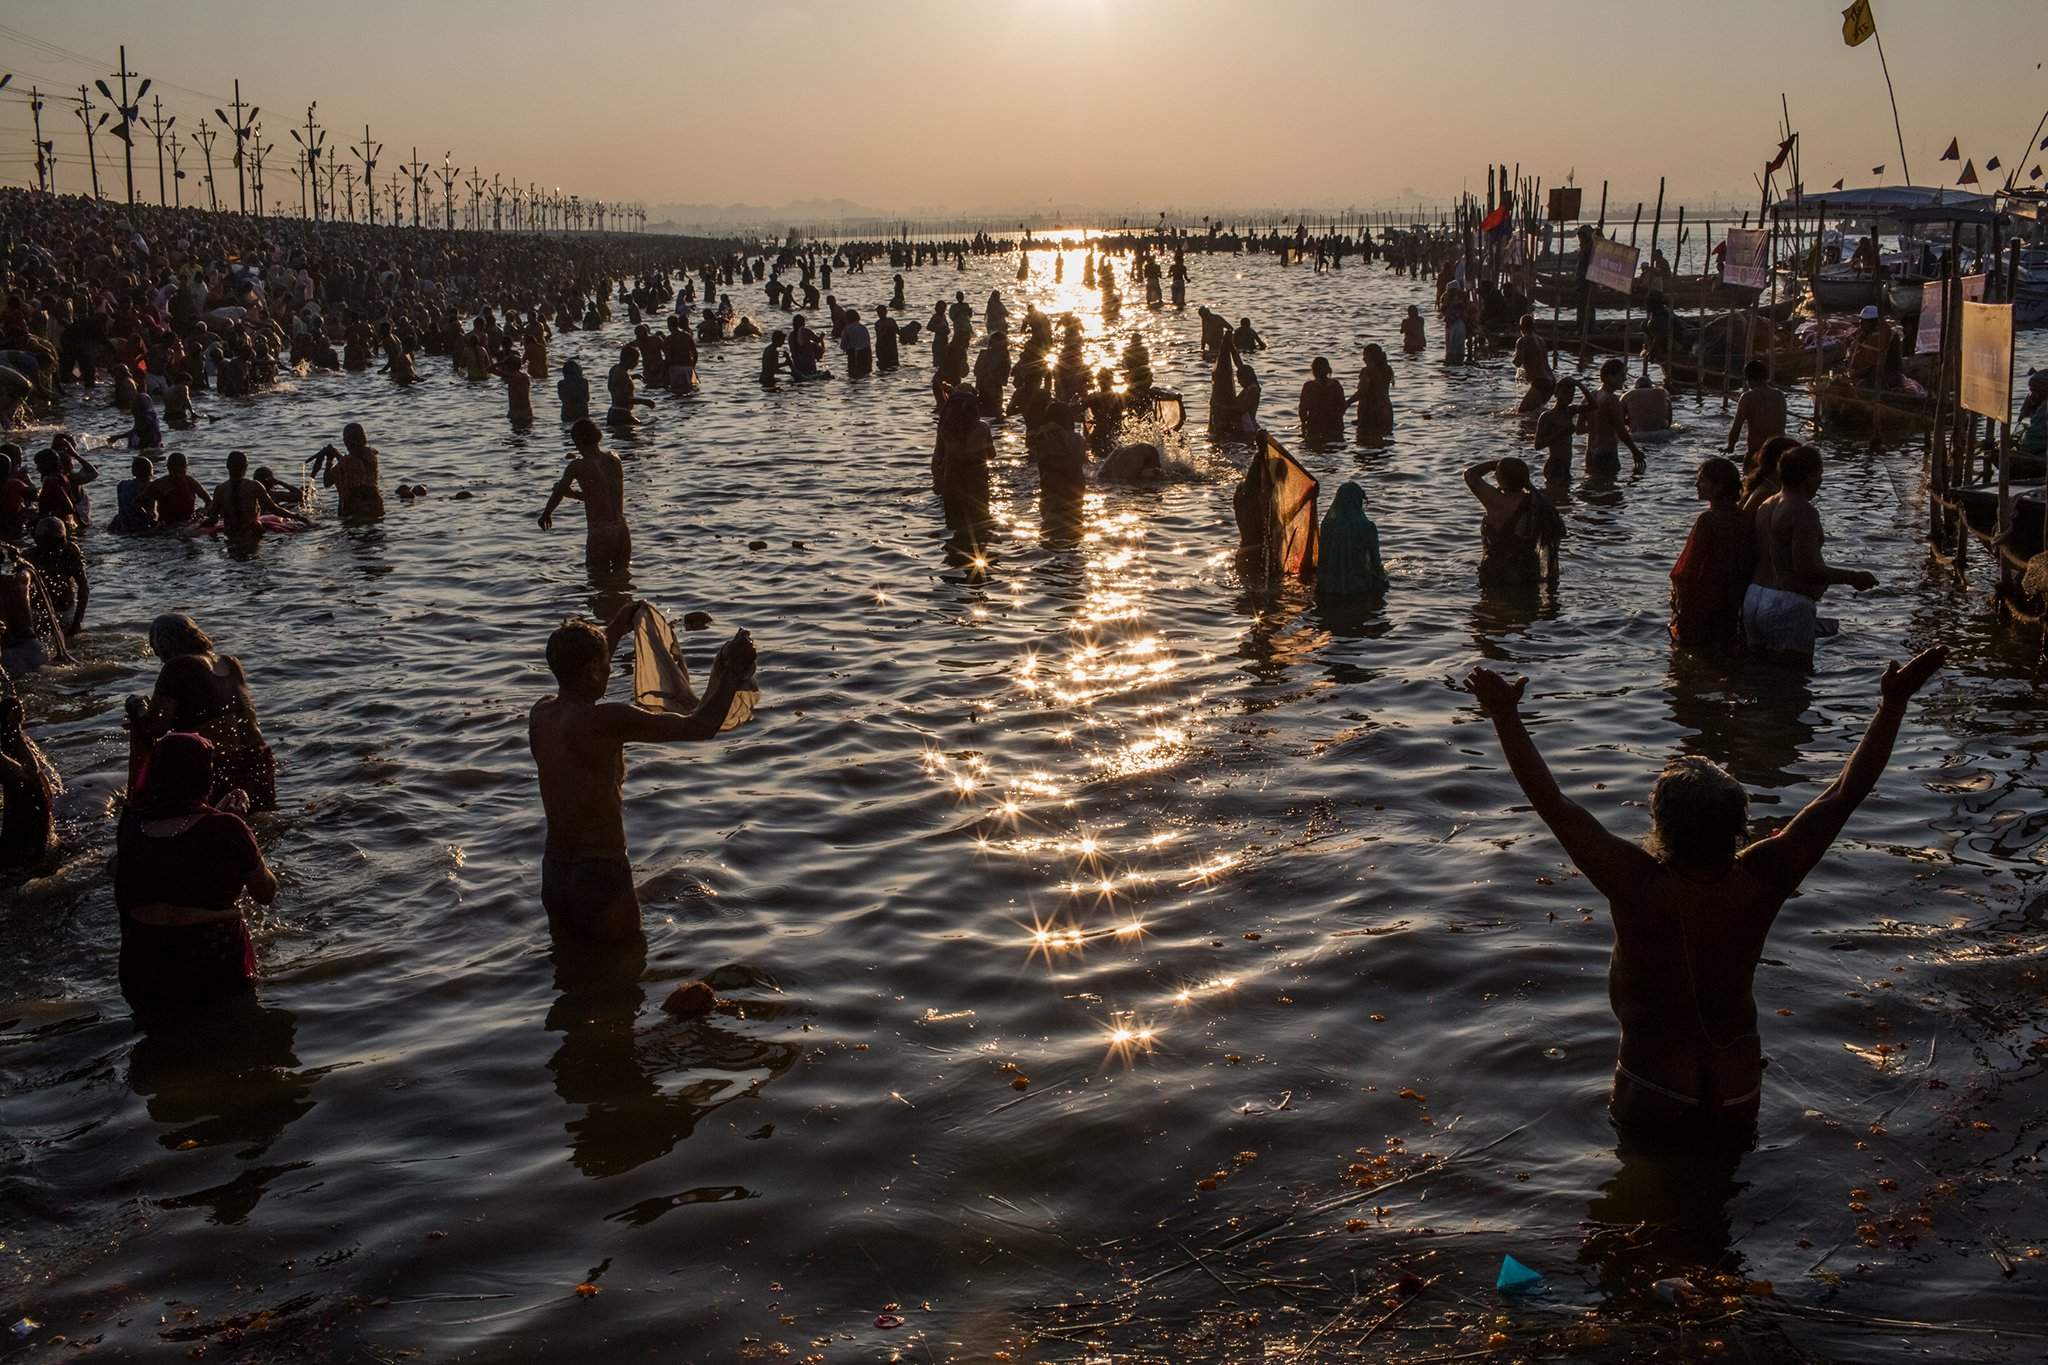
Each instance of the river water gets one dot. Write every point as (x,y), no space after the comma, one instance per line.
(1241,887)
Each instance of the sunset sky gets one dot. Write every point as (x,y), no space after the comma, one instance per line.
(963,106)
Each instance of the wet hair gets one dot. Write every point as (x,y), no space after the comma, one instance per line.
(176,777)
(1765,461)
(142,467)
(962,411)
(177,462)
(585,432)
(1802,464)
(573,647)
(1699,815)
(1375,357)
(1614,365)
(238,464)
(187,682)
(1755,371)
(175,635)
(1320,367)
(1512,474)
(1721,476)
(352,435)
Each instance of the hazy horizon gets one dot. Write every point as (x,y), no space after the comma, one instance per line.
(923,109)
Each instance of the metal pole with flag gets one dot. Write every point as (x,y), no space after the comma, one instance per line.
(1858,26)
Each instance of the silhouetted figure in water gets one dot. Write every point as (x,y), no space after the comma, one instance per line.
(1692,909)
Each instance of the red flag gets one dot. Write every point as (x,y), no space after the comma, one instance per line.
(1838,184)
(1784,151)
(1877,170)
(1969,175)
(1496,220)
(1954,152)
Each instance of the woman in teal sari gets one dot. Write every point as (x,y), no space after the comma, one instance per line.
(1350,550)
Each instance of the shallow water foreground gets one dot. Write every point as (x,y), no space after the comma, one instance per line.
(1122,964)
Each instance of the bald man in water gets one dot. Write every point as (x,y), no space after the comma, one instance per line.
(578,742)
(597,480)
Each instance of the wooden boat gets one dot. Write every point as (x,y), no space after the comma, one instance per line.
(1888,413)
(1839,289)
(1980,504)
(1680,291)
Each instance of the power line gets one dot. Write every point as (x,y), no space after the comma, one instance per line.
(61,53)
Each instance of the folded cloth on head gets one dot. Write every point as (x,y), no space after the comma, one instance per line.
(661,680)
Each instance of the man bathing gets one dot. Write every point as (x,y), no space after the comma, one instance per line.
(1780,612)
(1692,908)
(597,480)
(578,742)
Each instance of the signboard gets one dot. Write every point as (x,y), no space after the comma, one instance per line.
(1613,265)
(1987,360)
(1564,203)
(1742,262)
(1928,339)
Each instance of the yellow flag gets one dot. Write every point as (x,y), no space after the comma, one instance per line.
(1858,23)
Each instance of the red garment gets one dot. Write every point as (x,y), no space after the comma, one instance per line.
(204,868)
(1711,576)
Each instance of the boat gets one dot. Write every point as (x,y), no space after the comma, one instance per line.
(1681,291)
(1840,405)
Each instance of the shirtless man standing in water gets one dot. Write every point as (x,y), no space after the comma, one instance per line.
(1608,430)
(578,742)
(1761,408)
(1781,610)
(596,479)
(1692,907)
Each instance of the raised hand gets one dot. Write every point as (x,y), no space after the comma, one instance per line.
(738,654)
(1497,696)
(1899,684)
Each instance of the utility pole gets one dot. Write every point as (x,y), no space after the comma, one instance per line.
(204,137)
(368,154)
(417,169)
(130,115)
(497,205)
(348,190)
(310,144)
(91,150)
(448,174)
(177,178)
(259,149)
(332,169)
(157,128)
(240,126)
(394,198)
(476,199)
(46,151)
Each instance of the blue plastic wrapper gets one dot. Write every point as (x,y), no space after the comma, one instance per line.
(1516,1278)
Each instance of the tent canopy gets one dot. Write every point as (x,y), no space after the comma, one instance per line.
(1882,200)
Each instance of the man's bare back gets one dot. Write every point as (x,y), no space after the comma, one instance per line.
(580,752)
(1762,410)
(1788,539)
(578,742)
(1688,935)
